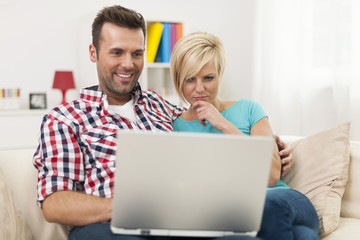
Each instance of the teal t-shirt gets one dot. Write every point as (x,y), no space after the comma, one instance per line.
(244,114)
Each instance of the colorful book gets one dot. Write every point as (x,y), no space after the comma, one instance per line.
(165,43)
(179,31)
(158,55)
(154,31)
(173,35)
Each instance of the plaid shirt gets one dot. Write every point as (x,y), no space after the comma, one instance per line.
(77,140)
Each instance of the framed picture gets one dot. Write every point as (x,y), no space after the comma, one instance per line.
(37,101)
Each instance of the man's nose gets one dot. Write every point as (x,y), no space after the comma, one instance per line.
(127,61)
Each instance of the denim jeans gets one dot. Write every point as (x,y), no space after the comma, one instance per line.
(101,231)
(288,214)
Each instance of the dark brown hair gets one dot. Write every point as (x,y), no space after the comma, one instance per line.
(118,15)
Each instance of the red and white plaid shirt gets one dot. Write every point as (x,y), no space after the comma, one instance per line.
(77,141)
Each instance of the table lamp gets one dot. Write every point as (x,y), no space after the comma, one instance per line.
(64,81)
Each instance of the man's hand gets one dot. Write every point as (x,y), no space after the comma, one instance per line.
(285,155)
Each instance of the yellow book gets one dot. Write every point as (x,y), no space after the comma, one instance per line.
(154,32)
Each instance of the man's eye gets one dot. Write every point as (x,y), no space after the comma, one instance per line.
(138,54)
(116,53)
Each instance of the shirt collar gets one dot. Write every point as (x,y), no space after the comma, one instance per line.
(92,94)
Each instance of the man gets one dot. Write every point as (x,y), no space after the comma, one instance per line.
(76,153)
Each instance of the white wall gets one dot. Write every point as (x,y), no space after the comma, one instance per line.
(41,36)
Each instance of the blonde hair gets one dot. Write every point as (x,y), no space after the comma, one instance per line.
(191,53)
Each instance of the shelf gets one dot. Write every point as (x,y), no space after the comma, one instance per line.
(23,112)
(158,65)
(156,75)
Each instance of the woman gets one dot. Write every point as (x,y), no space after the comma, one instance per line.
(197,65)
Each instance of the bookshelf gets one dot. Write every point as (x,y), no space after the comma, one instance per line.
(156,74)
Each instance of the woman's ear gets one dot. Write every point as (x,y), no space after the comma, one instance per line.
(92,52)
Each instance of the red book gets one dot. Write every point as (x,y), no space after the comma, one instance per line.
(173,35)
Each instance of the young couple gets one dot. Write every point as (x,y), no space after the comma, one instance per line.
(75,157)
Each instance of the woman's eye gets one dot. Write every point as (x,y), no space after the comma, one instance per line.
(189,79)
(209,78)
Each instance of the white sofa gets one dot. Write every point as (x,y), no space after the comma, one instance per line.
(349,225)
(21,177)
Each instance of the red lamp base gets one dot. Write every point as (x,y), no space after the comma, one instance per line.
(63,96)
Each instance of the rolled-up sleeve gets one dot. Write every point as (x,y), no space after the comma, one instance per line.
(58,158)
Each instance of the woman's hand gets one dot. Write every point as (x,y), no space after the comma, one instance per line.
(285,155)
(207,111)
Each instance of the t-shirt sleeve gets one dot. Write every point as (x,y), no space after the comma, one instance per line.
(255,112)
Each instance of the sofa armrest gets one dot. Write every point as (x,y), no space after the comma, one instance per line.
(21,177)
(350,206)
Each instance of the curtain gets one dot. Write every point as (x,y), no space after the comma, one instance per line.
(307,64)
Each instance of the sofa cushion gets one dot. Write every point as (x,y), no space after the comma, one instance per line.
(350,205)
(12,223)
(348,229)
(320,171)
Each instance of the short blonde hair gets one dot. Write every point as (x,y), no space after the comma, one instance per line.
(191,53)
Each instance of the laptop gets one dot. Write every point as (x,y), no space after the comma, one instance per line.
(190,184)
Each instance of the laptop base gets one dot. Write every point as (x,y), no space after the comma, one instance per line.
(178,233)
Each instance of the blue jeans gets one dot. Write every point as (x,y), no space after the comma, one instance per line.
(288,214)
(101,231)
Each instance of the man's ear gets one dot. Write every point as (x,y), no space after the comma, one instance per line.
(92,53)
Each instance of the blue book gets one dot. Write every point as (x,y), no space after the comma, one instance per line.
(158,53)
(165,43)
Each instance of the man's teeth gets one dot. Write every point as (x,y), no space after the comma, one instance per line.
(124,75)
